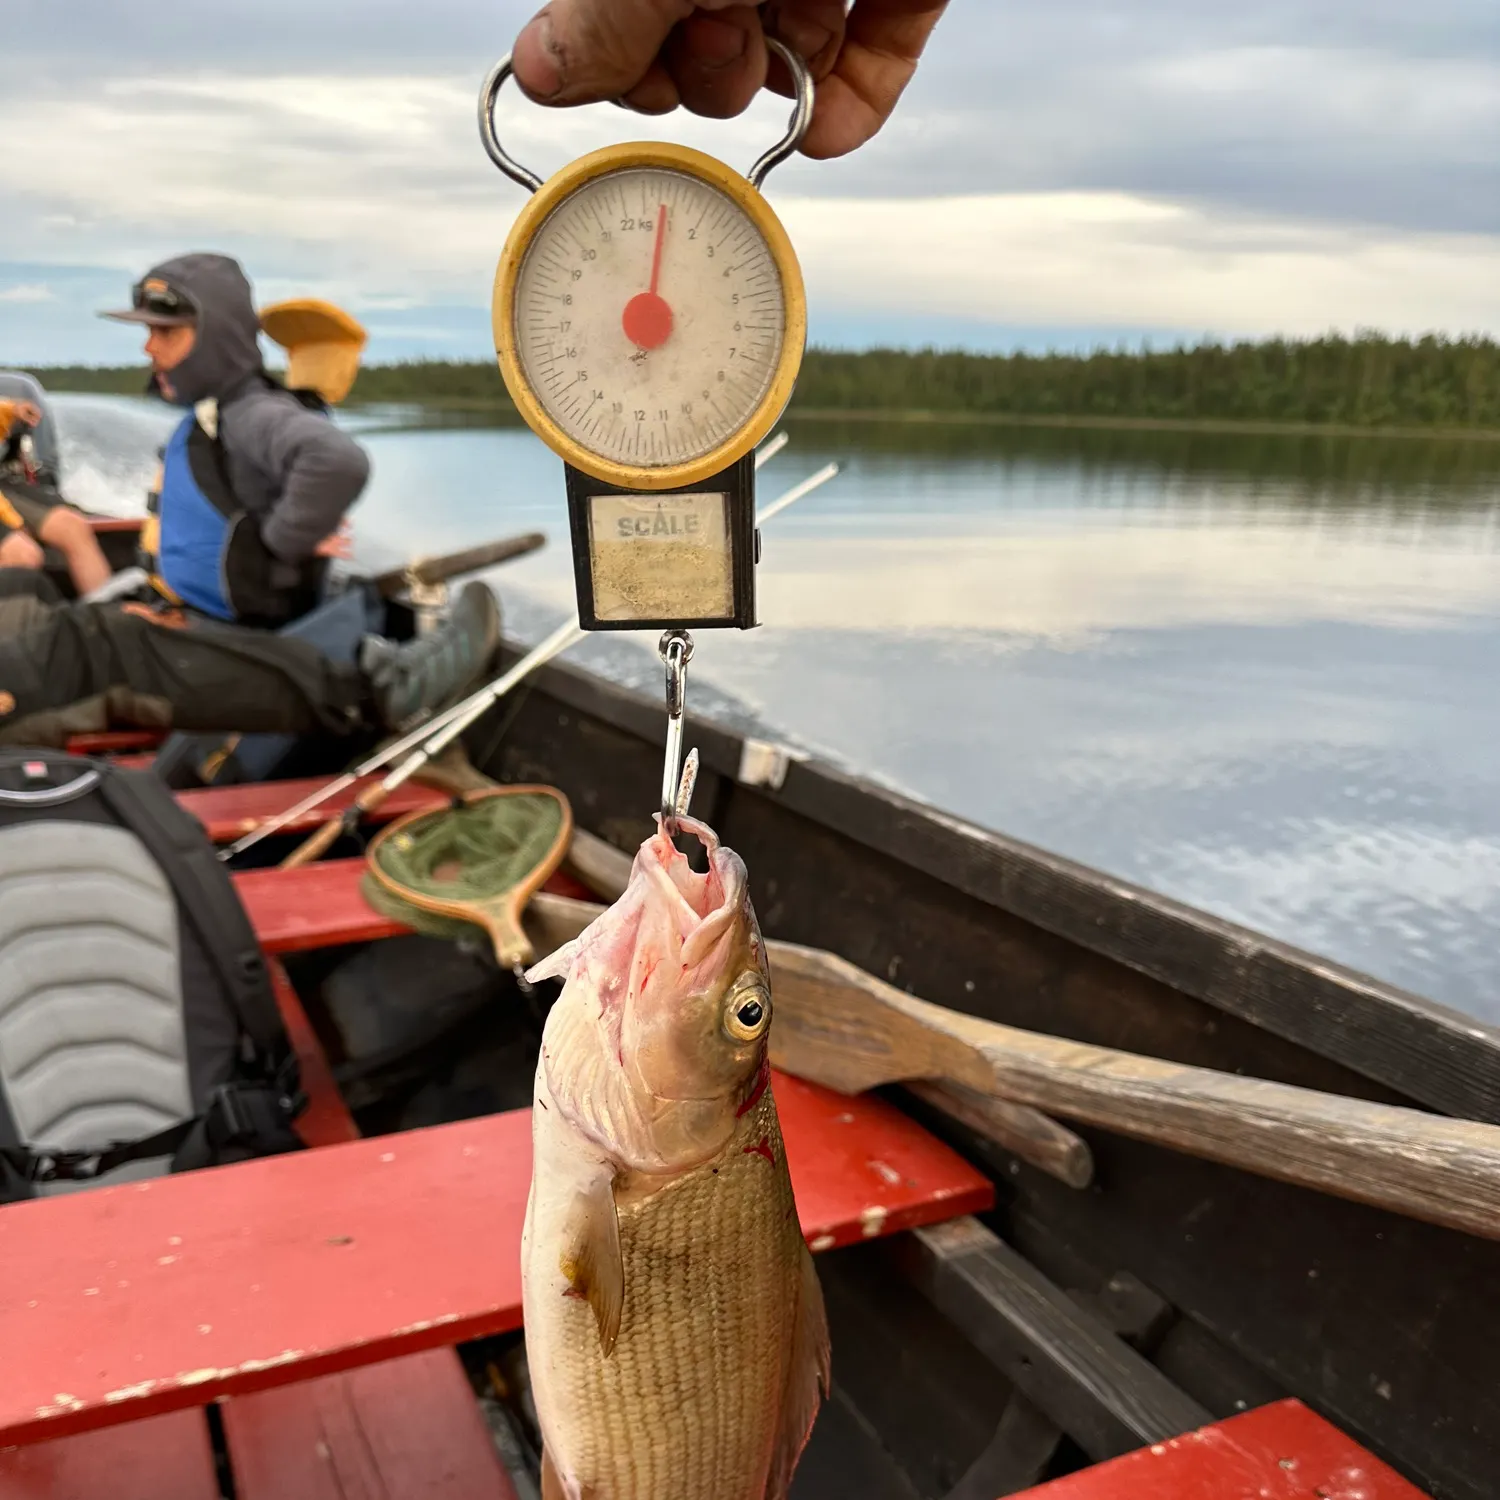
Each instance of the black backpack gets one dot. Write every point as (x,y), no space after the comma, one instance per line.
(138,1029)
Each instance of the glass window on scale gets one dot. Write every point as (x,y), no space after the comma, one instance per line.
(658,557)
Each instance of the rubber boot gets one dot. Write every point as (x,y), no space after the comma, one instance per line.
(416,679)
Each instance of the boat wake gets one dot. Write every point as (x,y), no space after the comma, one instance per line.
(109,450)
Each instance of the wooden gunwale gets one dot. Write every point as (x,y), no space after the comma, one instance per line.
(1414,1046)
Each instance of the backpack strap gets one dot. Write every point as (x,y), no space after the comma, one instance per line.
(208,900)
(242,1119)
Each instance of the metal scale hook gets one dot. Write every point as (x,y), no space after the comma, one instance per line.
(796,131)
(676,650)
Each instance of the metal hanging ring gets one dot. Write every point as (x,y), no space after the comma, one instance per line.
(488,97)
(676,650)
(797,126)
(802,113)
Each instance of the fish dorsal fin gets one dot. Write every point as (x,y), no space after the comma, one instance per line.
(807,1380)
(591,1258)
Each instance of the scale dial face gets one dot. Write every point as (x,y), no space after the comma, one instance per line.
(649,316)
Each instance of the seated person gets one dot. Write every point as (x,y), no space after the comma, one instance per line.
(254,479)
(254,485)
(33,513)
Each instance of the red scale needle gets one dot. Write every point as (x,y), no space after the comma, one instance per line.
(648,318)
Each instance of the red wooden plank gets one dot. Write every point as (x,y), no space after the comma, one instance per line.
(321,905)
(112,741)
(229,812)
(157,1295)
(1279,1452)
(162,1458)
(408,1429)
(317,906)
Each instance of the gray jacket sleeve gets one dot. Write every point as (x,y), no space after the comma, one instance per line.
(315,471)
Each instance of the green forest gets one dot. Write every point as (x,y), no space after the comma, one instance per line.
(1366,381)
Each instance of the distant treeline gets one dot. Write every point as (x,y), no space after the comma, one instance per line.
(1367,381)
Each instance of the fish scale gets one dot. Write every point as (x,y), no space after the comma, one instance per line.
(688,1404)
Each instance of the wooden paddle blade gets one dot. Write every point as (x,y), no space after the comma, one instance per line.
(1421,1165)
(838,1026)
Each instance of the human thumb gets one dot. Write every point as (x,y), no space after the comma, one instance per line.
(580,51)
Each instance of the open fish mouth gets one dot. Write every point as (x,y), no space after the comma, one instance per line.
(704,906)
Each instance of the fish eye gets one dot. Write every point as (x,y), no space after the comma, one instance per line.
(748,1011)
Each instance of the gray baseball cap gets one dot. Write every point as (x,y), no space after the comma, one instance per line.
(155,301)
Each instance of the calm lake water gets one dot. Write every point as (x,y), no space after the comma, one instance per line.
(1257,674)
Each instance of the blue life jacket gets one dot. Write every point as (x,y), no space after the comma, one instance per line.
(205,551)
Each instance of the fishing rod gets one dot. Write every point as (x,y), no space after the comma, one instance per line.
(767,451)
(563,637)
(430,739)
(796,493)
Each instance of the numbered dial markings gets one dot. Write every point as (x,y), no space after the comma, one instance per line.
(649,317)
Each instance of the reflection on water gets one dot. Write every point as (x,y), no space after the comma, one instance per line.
(1254,672)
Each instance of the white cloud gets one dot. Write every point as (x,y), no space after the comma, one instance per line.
(1113,257)
(374,190)
(28,292)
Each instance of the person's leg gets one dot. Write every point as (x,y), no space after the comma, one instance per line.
(68,531)
(208,676)
(200,676)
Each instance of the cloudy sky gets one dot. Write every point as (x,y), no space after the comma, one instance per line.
(1061,172)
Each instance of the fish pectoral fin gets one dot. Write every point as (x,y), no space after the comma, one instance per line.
(555,965)
(591,1258)
(807,1380)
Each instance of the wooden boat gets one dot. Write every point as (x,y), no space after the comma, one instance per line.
(1245,1289)
(1070,1326)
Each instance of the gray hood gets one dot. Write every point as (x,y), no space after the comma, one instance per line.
(226,355)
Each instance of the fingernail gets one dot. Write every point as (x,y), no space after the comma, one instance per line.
(539,65)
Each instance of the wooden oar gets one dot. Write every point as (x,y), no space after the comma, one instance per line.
(841,1027)
(1026,1132)
(432,570)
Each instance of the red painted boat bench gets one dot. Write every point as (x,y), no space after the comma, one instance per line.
(321,906)
(230,812)
(408,1426)
(146,1298)
(1278,1452)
